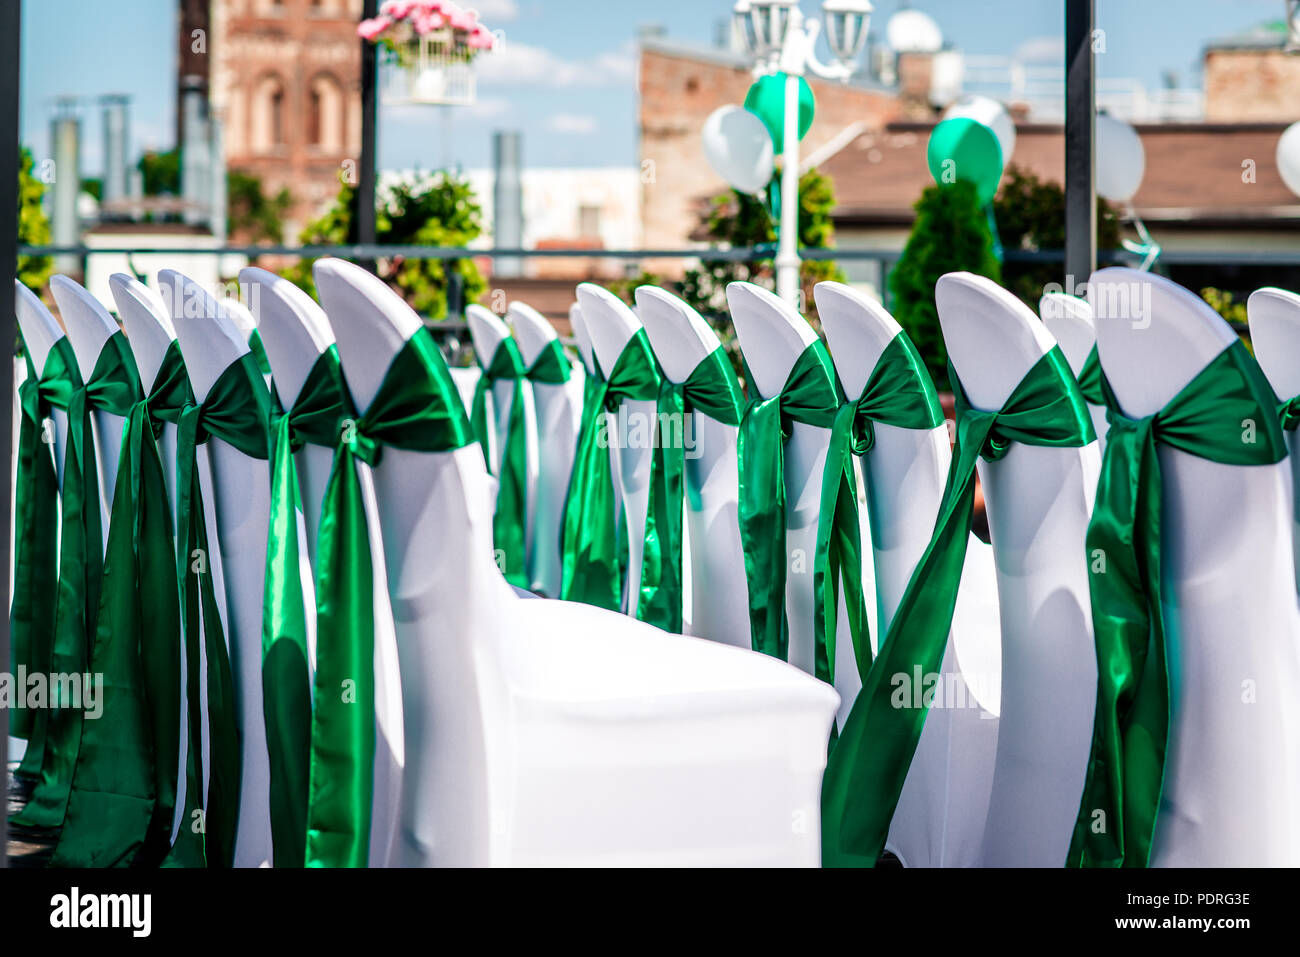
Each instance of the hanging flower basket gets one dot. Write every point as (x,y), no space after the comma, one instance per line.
(427,50)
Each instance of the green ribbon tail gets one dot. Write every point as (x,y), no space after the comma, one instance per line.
(761,513)
(286,682)
(866,770)
(660,602)
(838,560)
(343,731)
(590,560)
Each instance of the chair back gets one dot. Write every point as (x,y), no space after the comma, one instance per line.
(1069,320)
(1275,333)
(1232,772)
(772,338)
(449,600)
(582,338)
(89,327)
(236,499)
(716,605)
(611,324)
(1038,501)
(554,435)
(40,332)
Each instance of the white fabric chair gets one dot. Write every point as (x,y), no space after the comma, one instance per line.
(1275,333)
(942,809)
(466,379)
(553,434)
(715,595)
(1069,320)
(611,324)
(89,326)
(1039,501)
(40,332)
(295,332)
(582,338)
(1232,772)
(547,732)
(236,501)
(773,337)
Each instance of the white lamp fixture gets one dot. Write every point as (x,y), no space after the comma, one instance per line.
(846,27)
(771,20)
(1292,26)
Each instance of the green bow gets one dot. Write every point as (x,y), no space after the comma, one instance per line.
(1226,414)
(316,418)
(897,393)
(867,768)
(592,564)
(711,390)
(1090,379)
(510,520)
(811,395)
(36,537)
(551,367)
(114,387)
(258,350)
(123,795)
(418,409)
(237,411)
(1288,414)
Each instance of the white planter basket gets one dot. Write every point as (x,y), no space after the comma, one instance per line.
(431,71)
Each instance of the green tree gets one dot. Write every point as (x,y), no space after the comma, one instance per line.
(1031,216)
(950,234)
(250,214)
(161,172)
(437,209)
(33,226)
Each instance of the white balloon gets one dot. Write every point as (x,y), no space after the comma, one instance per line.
(1121,160)
(991,113)
(739,148)
(1288,157)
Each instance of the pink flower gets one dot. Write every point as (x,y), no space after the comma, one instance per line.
(369,29)
(481,38)
(397,9)
(460,18)
(427,22)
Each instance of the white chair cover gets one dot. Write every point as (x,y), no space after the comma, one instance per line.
(1069,320)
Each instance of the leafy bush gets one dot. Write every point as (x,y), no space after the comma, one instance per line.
(33,227)
(437,210)
(951,234)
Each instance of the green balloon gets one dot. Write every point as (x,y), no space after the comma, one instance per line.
(766,100)
(964,149)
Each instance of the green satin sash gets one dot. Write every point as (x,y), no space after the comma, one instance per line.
(1288,414)
(258,350)
(36,538)
(591,543)
(867,768)
(237,411)
(123,795)
(114,387)
(551,367)
(711,390)
(1226,414)
(316,418)
(510,519)
(811,395)
(1090,379)
(897,393)
(418,409)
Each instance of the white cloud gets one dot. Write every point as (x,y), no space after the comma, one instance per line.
(520,64)
(579,124)
(493,12)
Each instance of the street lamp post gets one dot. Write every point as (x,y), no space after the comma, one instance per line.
(781,40)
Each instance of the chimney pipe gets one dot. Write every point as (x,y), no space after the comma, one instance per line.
(115,148)
(65,142)
(508,200)
(196,153)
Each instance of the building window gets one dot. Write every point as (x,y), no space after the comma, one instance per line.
(277,116)
(267,120)
(326,110)
(313,118)
(589,221)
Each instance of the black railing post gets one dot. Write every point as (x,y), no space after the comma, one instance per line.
(1080,152)
(10,50)
(369,140)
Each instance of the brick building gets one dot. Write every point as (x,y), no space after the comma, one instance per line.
(285,81)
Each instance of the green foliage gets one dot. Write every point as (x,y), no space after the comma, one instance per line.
(251,214)
(1031,215)
(1225,304)
(437,209)
(951,234)
(95,187)
(161,173)
(33,226)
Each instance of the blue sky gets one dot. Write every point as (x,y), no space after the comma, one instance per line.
(567,75)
